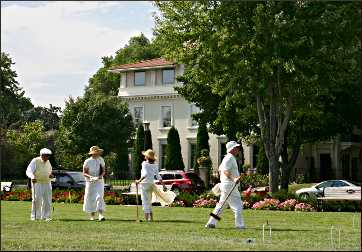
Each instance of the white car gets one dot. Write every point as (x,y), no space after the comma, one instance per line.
(317,190)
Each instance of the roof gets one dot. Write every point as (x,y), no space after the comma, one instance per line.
(152,63)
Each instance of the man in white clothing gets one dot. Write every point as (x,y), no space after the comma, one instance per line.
(229,174)
(40,173)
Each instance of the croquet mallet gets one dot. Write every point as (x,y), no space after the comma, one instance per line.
(216,216)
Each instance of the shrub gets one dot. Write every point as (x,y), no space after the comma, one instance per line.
(255,180)
(270,204)
(209,203)
(187,198)
(283,195)
(246,205)
(178,203)
(287,205)
(304,207)
(254,198)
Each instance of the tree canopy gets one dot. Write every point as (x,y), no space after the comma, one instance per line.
(267,67)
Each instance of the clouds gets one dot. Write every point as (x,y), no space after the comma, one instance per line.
(57,46)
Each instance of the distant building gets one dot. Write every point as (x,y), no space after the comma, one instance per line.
(148,88)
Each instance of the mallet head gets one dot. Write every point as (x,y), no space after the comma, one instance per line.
(215,216)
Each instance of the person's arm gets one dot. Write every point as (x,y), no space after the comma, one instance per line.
(143,173)
(158,176)
(86,171)
(103,168)
(231,177)
(30,171)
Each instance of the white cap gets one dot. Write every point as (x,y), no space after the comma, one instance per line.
(231,145)
(45,151)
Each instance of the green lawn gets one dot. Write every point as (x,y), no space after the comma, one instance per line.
(173,229)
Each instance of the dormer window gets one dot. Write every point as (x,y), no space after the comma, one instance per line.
(168,76)
(139,78)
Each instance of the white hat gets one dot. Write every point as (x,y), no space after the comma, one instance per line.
(231,145)
(45,151)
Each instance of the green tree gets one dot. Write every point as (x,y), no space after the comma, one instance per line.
(148,140)
(138,147)
(49,116)
(26,143)
(202,142)
(174,159)
(103,121)
(106,83)
(272,59)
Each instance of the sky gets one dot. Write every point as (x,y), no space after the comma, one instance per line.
(58,45)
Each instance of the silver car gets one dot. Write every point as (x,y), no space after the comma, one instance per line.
(317,190)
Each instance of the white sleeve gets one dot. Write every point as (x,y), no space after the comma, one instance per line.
(143,170)
(31,169)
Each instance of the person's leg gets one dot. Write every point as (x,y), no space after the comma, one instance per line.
(236,205)
(89,205)
(100,200)
(146,197)
(47,201)
(35,204)
(219,208)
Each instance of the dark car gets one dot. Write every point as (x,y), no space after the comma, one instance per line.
(181,181)
(70,180)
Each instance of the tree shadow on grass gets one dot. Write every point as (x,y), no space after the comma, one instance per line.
(130,220)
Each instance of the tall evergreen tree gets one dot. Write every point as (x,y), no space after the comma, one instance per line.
(148,140)
(202,142)
(173,151)
(138,147)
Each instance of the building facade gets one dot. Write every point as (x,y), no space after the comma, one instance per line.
(148,88)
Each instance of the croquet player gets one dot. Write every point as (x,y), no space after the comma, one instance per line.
(93,171)
(148,172)
(229,174)
(40,172)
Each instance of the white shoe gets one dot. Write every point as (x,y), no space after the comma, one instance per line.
(48,219)
(101,217)
(91,218)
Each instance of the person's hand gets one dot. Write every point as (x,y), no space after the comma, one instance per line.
(237,179)
(51,175)
(164,188)
(137,182)
(33,180)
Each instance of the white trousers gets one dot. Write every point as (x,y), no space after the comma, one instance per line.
(93,197)
(234,201)
(41,201)
(146,196)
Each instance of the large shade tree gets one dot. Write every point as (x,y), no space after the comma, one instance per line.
(284,62)
(102,121)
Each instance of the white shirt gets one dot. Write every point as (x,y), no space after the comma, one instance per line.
(149,171)
(228,164)
(30,170)
(93,165)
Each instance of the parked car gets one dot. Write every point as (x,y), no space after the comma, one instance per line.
(70,180)
(181,181)
(317,190)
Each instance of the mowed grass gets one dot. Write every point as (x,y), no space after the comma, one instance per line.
(174,229)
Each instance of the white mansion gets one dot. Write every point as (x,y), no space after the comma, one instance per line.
(148,88)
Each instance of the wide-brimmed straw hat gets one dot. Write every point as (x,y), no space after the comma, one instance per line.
(95,150)
(149,154)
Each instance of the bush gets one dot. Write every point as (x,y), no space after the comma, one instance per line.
(270,204)
(209,203)
(283,195)
(304,207)
(187,198)
(255,180)
(178,203)
(254,198)
(287,205)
